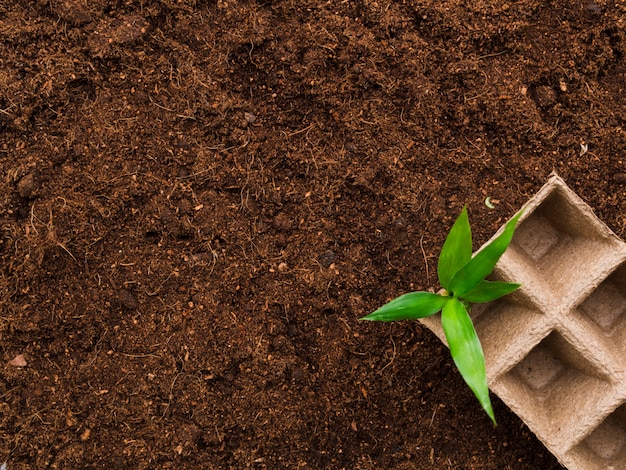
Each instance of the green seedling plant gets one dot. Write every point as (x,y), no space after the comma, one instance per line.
(462,278)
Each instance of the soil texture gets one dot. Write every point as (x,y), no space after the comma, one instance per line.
(199,198)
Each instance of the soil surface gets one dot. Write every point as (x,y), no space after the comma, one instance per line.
(198,200)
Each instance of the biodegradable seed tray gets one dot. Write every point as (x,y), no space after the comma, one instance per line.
(556,348)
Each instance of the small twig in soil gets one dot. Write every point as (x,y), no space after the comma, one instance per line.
(301,131)
(156,291)
(425,258)
(432,419)
(388,260)
(6,110)
(393,357)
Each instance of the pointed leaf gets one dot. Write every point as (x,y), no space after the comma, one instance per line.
(481,265)
(456,250)
(486,291)
(409,307)
(466,351)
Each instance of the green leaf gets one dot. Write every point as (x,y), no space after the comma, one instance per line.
(481,265)
(486,291)
(466,351)
(456,250)
(409,307)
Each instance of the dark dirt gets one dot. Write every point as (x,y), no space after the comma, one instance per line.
(200,198)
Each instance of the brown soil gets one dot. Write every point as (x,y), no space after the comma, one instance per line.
(200,198)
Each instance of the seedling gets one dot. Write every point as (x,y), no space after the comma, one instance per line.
(462,278)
